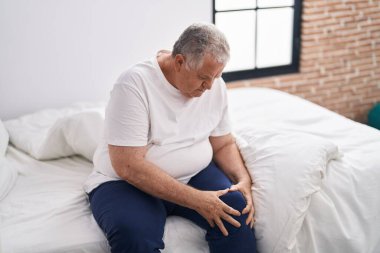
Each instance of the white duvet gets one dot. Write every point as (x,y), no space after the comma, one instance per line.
(315,175)
(344,215)
(287,169)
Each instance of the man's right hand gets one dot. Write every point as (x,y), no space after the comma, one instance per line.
(213,209)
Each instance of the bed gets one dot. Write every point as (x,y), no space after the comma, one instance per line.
(316,179)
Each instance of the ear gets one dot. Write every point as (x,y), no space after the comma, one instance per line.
(179,62)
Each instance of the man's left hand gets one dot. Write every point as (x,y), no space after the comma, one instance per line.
(245,189)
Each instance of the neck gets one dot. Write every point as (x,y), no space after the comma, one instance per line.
(166,63)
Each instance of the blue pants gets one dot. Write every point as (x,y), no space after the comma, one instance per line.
(134,221)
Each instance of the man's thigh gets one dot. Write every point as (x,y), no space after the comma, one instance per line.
(124,212)
(210,179)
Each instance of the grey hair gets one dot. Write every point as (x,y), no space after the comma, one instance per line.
(200,39)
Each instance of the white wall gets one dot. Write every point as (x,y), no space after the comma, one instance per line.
(55,52)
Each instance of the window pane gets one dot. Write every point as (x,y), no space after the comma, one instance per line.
(274,3)
(222,5)
(239,28)
(274,37)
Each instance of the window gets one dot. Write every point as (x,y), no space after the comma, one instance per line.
(264,36)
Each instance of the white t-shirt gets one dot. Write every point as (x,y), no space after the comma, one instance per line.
(145,109)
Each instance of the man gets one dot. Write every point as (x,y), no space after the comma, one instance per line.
(167,150)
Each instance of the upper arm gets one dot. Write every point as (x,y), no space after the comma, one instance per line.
(127,117)
(218,142)
(126,128)
(125,159)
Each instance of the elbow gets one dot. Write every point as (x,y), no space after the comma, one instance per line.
(224,148)
(128,171)
(122,170)
(127,162)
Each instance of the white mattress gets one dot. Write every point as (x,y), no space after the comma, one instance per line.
(47,210)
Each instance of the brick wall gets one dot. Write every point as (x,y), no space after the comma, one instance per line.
(340,57)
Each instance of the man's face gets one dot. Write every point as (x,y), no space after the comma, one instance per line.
(193,83)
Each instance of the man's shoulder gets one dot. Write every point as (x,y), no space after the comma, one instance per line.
(138,72)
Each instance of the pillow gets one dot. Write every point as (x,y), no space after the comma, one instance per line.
(4,139)
(286,169)
(8,176)
(41,134)
(82,132)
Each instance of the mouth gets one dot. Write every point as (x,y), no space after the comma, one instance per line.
(201,92)
(197,93)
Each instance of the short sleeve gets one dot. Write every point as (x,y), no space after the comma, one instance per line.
(127,117)
(224,125)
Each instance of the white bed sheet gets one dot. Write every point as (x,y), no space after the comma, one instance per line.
(47,211)
(345,215)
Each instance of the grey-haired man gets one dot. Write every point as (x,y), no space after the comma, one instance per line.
(168,150)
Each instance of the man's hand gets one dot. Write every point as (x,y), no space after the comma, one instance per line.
(245,189)
(213,209)
(229,159)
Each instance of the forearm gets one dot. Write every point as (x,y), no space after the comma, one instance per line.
(230,161)
(149,178)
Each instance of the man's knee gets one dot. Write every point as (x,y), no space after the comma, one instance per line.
(237,201)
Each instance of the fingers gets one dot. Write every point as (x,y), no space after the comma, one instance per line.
(230,210)
(253,220)
(222,192)
(248,199)
(249,218)
(227,208)
(231,220)
(250,210)
(211,222)
(233,188)
(252,223)
(252,214)
(221,226)
(247,208)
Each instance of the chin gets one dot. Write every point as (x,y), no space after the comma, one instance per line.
(198,94)
(193,94)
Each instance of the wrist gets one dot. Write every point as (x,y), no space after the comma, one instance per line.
(245,180)
(194,199)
